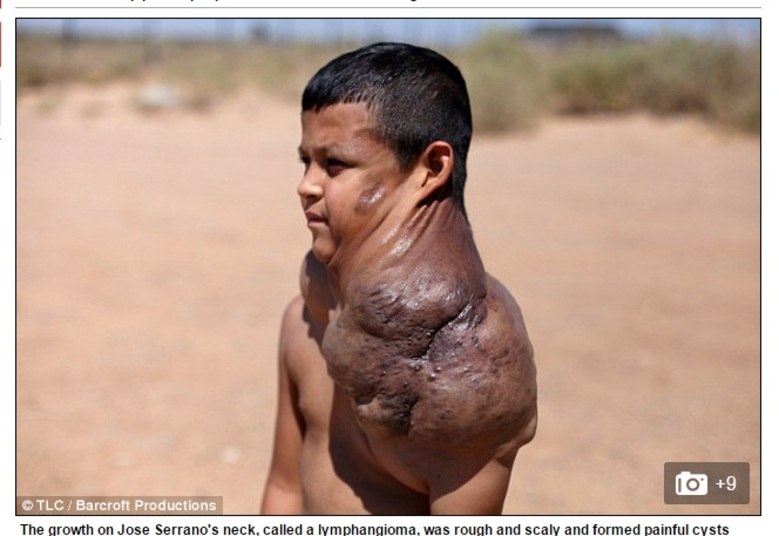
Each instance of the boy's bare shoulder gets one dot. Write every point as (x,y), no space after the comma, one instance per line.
(505,323)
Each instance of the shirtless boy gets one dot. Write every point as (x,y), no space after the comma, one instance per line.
(407,381)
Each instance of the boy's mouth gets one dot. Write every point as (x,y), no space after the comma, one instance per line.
(312,218)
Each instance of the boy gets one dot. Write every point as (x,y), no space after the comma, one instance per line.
(407,381)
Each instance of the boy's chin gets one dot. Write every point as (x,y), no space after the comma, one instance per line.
(323,252)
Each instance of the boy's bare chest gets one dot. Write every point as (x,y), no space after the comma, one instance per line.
(339,470)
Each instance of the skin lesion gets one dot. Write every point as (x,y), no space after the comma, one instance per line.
(386,416)
(465,382)
(369,198)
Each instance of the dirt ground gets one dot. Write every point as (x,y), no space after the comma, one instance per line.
(155,253)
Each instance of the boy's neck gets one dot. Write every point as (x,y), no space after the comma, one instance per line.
(431,233)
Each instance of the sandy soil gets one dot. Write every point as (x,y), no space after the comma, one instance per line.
(156,252)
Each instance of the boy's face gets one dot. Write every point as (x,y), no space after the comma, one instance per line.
(351,179)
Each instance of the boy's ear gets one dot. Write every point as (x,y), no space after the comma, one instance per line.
(437,162)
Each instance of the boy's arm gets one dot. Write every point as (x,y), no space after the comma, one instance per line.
(283,494)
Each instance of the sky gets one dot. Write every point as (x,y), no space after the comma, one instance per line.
(425,31)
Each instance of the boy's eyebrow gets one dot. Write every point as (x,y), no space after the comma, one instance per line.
(349,149)
(339,149)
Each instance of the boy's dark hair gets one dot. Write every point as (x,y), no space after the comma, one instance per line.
(416,97)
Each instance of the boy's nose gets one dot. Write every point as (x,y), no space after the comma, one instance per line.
(310,186)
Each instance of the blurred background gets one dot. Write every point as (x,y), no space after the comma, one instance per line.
(614,188)
(518,70)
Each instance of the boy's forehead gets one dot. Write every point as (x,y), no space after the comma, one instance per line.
(338,122)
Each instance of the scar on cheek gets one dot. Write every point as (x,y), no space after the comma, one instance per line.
(369,198)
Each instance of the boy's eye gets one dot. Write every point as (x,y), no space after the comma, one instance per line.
(334,166)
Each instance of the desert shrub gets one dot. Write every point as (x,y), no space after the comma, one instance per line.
(735,97)
(46,60)
(718,80)
(505,83)
(596,78)
(37,62)
(678,77)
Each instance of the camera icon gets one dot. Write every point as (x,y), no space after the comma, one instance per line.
(688,483)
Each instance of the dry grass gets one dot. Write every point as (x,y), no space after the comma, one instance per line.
(720,81)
